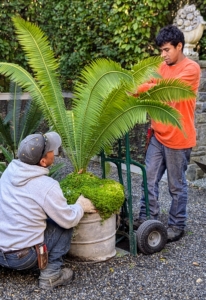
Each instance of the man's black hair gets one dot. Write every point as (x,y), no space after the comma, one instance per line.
(170,34)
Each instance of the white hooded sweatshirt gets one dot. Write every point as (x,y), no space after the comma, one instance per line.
(27,198)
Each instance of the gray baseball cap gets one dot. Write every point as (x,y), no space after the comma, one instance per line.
(35,146)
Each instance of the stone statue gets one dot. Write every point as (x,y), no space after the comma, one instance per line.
(191,23)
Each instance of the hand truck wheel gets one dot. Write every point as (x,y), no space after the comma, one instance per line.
(151,236)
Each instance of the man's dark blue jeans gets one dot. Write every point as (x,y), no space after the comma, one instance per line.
(160,158)
(58,241)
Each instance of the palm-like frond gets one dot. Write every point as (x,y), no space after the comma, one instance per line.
(96,82)
(14,107)
(41,60)
(71,150)
(38,51)
(14,96)
(47,105)
(112,114)
(45,88)
(18,123)
(5,134)
(7,154)
(99,78)
(54,170)
(145,70)
(19,75)
(44,65)
(166,90)
(120,115)
(30,121)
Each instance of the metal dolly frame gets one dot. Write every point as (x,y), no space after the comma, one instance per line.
(126,210)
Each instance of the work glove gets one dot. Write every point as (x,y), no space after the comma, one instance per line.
(86,204)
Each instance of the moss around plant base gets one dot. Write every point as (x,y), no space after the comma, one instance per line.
(107,195)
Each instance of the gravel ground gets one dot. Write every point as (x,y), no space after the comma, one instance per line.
(177,272)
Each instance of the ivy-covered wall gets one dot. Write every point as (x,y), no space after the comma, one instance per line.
(80,31)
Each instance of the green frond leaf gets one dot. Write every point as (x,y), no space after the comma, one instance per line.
(54,170)
(134,112)
(169,90)
(146,69)
(14,112)
(161,112)
(119,116)
(106,71)
(20,120)
(7,154)
(5,134)
(44,65)
(71,150)
(37,49)
(99,78)
(20,76)
(54,112)
(14,97)
(30,120)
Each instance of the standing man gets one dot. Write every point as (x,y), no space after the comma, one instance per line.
(36,221)
(169,148)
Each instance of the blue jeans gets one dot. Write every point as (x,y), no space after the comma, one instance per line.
(58,241)
(158,159)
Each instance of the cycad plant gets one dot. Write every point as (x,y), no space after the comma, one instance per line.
(19,121)
(103,108)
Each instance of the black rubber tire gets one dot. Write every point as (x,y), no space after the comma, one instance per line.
(151,236)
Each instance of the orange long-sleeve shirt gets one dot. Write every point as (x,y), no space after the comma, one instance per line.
(188,71)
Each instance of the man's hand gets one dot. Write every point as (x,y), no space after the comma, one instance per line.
(86,204)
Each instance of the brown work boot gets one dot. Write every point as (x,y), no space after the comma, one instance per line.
(65,276)
(174,234)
